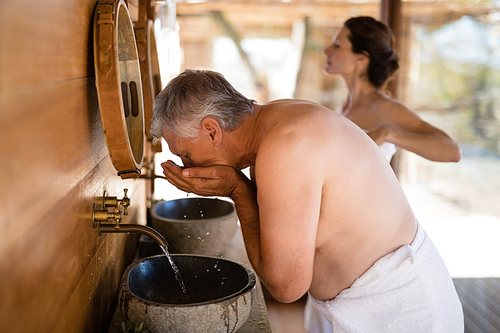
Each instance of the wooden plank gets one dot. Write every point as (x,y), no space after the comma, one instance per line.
(248,15)
(42,273)
(277,12)
(470,327)
(281,11)
(48,151)
(478,313)
(48,40)
(95,286)
(493,283)
(491,293)
(471,320)
(481,294)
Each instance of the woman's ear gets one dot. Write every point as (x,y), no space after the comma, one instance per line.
(212,130)
(363,58)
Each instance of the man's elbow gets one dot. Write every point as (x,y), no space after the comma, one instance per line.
(285,297)
(286,292)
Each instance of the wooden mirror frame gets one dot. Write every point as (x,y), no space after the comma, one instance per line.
(150,71)
(119,86)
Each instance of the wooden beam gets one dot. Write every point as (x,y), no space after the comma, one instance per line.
(218,17)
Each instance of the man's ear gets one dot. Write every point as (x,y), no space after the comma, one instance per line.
(212,130)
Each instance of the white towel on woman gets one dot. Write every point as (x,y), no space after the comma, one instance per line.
(409,290)
(388,149)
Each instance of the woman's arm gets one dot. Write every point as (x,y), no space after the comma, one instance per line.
(404,128)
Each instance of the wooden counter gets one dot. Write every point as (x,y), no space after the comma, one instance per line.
(258,321)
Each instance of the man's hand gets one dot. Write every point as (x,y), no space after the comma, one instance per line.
(217,180)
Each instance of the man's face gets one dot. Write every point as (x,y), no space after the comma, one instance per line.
(193,152)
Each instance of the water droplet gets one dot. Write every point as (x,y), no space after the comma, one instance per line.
(189,236)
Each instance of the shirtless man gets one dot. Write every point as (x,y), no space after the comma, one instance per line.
(322,208)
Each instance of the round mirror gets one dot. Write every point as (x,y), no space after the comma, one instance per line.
(119,87)
(150,71)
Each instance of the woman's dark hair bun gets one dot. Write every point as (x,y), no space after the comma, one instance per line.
(373,37)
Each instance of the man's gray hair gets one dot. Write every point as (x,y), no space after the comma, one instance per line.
(194,95)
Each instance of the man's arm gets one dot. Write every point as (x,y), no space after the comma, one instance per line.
(279,223)
(289,181)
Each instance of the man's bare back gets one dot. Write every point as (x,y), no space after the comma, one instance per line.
(363,213)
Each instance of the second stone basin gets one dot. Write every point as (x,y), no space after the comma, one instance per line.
(196,225)
(219,294)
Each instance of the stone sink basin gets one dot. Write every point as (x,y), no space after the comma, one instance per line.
(219,296)
(196,225)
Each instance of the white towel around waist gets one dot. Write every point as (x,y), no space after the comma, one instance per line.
(409,290)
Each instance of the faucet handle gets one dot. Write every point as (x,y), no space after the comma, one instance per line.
(125,202)
(117,216)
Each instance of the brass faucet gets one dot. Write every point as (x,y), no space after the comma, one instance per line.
(100,215)
(149,167)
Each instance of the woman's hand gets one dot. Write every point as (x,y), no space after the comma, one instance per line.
(217,180)
(379,135)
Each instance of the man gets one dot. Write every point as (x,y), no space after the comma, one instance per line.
(324,213)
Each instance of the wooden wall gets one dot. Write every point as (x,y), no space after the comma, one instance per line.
(56,273)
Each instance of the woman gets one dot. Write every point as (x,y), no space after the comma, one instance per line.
(362,53)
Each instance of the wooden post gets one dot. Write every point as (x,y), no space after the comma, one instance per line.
(390,14)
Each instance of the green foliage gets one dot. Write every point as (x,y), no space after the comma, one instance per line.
(468,90)
(133,327)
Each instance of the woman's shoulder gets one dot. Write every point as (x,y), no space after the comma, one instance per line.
(384,100)
(386,105)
